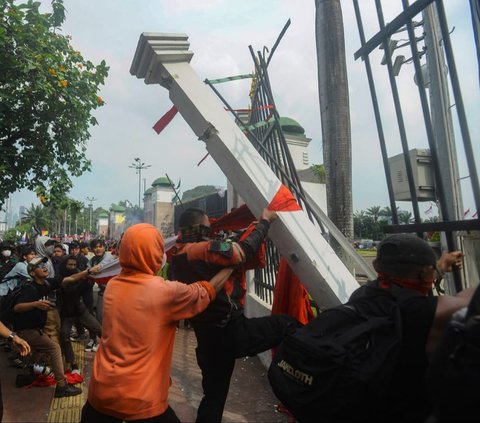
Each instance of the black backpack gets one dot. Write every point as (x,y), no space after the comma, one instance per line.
(9,301)
(453,376)
(338,367)
(6,268)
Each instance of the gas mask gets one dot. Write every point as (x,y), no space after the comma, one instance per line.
(195,233)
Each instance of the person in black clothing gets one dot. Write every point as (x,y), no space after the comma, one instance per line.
(30,317)
(409,262)
(74,250)
(74,283)
(87,293)
(223,332)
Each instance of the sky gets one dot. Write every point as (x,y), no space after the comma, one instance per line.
(220,32)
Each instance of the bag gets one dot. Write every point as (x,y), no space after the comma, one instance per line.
(6,268)
(8,302)
(453,376)
(338,367)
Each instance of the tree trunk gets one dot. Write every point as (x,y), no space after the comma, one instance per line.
(334,113)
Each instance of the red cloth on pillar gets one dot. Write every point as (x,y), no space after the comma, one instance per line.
(284,201)
(290,296)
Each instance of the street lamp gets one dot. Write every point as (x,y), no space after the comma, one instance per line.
(138,165)
(90,202)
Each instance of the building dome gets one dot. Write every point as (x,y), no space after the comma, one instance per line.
(161,182)
(291,126)
(117,208)
(103,214)
(148,191)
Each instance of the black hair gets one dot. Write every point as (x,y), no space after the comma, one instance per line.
(191,216)
(71,257)
(97,241)
(26,249)
(63,264)
(72,245)
(49,242)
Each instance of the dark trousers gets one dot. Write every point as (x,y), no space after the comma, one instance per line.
(90,415)
(218,348)
(88,321)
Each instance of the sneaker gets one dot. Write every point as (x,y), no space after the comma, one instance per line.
(66,391)
(90,345)
(42,369)
(95,347)
(77,338)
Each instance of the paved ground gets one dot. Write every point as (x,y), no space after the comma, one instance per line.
(250,398)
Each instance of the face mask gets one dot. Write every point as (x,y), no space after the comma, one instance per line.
(6,253)
(196,233)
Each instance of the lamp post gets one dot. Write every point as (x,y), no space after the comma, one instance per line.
(138,165)
(90,203)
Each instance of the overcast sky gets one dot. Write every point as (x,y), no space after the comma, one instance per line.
(220,32)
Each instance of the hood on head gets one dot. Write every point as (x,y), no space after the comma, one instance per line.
(40,246)
(142,249)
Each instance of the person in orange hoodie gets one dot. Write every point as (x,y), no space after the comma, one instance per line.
(131,370)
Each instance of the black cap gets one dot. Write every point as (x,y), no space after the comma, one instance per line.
(399,249)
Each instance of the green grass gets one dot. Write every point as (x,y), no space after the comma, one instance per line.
(367,252)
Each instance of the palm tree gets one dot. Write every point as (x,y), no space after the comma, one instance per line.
(404,217)
(358,223)
(374,213)
(75,209)
(334,113)
(36,216)
(386,212)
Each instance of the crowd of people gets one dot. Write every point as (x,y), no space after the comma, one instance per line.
(51,285)
(205,285)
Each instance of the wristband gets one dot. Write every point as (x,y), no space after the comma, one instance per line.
(11,336)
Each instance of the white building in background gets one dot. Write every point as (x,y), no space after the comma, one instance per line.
(116,222)
(158,205)
(102,224)
(297,143)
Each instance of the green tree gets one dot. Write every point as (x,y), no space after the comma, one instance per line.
(374,213)
(386,214)
(48,92)
(359,218)
(319,170)
(36,216)
(404,217)
(198,192)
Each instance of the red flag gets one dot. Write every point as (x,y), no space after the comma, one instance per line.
(165,120)
(284,201)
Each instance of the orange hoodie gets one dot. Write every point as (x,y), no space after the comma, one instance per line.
(131,371)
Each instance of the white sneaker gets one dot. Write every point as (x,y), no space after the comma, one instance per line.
(90,345)
(95,347)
